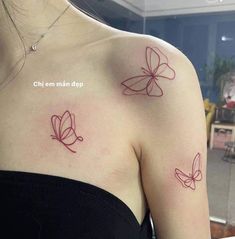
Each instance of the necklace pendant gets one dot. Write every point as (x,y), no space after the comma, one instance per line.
(33,47)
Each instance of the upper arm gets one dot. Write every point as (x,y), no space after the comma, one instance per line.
(172,134)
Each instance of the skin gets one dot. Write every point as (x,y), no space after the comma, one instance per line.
(132,143)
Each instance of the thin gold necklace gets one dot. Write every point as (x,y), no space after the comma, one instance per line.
(33,47)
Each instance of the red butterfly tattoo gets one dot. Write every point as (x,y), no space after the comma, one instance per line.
(64,129)
(189,181)
(147,83)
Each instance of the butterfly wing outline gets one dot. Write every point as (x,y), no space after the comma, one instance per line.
(55,122)
(163,71)
(64,128)
(184,179)
(196,168)
(189,181)
(67,128)
(137,85)
(147,83)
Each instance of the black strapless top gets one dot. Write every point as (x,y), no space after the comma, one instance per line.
(39,206)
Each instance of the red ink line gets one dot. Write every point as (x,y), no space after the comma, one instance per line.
(64,128)
(189,181)
(147,83)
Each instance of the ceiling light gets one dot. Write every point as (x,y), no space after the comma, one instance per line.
(224,38)
(214,1)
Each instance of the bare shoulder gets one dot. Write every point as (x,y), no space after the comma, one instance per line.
(132,47)
(162,85)
(159,80)
(152,70)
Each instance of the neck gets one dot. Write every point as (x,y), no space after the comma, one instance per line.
(26,19)
(22,22)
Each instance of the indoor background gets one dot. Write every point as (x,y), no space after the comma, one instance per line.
(204,30)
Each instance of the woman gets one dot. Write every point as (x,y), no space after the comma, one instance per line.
(98,127)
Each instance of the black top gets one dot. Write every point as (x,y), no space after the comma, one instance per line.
(39,206)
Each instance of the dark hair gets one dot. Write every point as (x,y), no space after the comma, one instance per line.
(5,82)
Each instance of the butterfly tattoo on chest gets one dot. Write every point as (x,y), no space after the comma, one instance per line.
(64,128)
(147,83)
(189,180)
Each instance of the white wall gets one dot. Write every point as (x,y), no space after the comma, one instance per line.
(174,7)
(171,7)
(137,6)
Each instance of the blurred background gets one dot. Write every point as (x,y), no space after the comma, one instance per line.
(204,30)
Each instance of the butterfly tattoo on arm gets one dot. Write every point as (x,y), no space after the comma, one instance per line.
(64,128)
(189,181)
(157,68)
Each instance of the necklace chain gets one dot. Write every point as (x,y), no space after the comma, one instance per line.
(33,48)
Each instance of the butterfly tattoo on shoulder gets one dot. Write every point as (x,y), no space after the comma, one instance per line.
(189,180)
(147,83)
(64,128)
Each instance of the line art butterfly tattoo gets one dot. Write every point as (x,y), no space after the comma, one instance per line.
(147,83)
(64,128)
(189,181)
